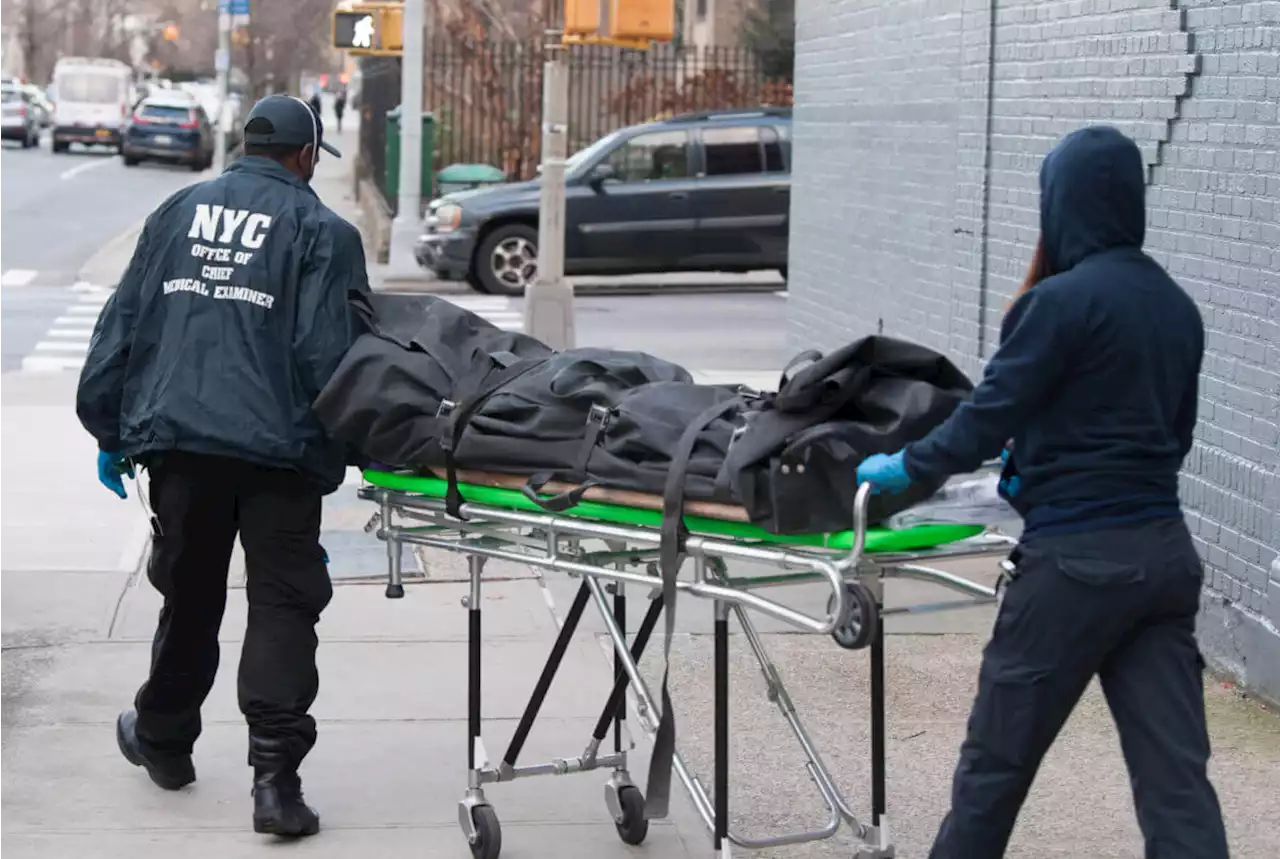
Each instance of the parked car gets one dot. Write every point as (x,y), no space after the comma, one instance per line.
(700,192)
(40,103)
(169,126)
(21,120)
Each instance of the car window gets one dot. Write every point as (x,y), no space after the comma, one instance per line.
(89,89)
(165,113)
(733,151)
(773,160)
(590,152)
(12,95)
(658,155)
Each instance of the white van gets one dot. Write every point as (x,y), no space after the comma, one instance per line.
(92,101)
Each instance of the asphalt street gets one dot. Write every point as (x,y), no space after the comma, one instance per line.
(57,210)
(714,333)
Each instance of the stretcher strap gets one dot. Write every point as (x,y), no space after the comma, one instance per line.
(671,555)
(598,419)
(722,491)
(557,503)
(461,416)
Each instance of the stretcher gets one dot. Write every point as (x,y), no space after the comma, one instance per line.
(611,541)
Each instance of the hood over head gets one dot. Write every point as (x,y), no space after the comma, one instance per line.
(1092,196)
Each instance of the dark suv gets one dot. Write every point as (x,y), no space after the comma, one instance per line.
(171,128)
(700,192)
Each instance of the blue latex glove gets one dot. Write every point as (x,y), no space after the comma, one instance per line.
(1008,486)
(111,468)
(885,472)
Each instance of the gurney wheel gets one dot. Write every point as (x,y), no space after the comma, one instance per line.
(861,618)
(488,843)
(633,827)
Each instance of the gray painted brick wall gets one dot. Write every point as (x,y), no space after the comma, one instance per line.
(896,228)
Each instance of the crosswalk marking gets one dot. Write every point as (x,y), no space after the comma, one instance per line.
(80,347)
(66,344)
(17,277)
(51,363)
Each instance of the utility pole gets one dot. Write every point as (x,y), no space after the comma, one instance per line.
(548,304)
(222,65)
(407,223)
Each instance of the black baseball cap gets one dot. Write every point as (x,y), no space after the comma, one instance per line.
(286,120)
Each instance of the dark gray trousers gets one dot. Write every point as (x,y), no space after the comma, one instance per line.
(1119,604)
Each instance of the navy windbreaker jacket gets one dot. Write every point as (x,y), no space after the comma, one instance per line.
(230,318)
(1096,378)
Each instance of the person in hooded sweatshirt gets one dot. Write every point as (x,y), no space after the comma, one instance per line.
(1092,397)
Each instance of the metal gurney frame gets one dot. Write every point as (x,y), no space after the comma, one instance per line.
(555,542)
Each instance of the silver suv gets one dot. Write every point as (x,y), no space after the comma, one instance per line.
(21,119)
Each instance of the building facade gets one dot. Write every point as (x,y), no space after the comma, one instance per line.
(919,129)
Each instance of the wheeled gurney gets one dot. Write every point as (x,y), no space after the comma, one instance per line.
(616,538)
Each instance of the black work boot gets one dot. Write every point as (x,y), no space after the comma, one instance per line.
(169,771)
(278,807)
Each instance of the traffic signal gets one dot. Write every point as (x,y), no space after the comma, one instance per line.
(170,32)
(625,23)
(369,29)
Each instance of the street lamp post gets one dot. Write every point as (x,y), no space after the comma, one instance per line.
(548,306)
(406,225)
(222,65)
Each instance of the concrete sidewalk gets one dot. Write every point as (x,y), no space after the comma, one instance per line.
(390,764)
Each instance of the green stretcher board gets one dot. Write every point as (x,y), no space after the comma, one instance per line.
(878,539)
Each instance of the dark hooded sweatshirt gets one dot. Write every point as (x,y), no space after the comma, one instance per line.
(1095,381)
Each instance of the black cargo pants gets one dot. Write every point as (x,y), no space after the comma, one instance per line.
(201,503)
(1120,604)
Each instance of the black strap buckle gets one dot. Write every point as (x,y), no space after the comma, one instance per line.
(738,432)
(599,416)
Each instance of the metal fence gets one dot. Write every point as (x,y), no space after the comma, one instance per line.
(486,96)
(379,93)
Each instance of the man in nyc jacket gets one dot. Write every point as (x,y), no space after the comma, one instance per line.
(230,318)
(1096,385)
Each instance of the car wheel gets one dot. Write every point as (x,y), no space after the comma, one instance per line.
(507,260)
(130,161)
(783,271)
(59,146)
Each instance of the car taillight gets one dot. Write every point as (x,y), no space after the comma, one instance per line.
(22,110)
(191,121)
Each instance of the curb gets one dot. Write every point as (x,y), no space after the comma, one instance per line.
(108,263)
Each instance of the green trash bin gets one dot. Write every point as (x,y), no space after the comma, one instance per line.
(464,177)
(391,179)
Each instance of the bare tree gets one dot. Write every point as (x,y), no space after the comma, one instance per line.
(37,24)
(284,40)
